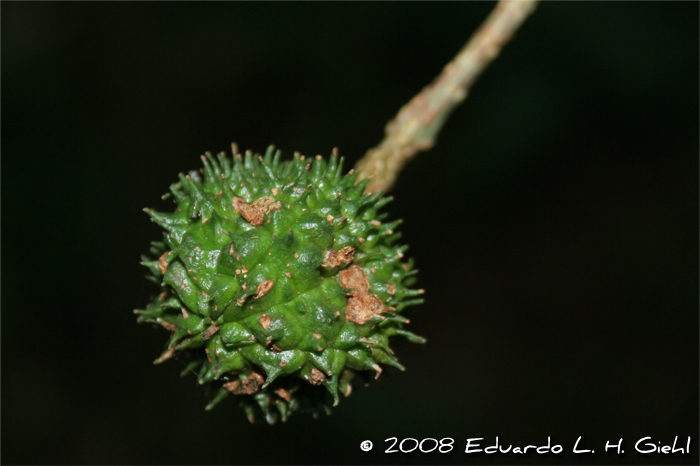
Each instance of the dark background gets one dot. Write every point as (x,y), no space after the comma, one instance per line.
(555,223)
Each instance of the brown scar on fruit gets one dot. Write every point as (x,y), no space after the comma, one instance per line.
(362,309)
(255,213)
(334,259)
(248,387)
(330,219)
(166,325)
(167,354)
(317,336)
(284,394)
(354,277)
(391,289)
(163,263)
(362,306)
(275,191)
(209,332)
(265,321)
(317,377)
(232,386)
(263,289)
(376,223)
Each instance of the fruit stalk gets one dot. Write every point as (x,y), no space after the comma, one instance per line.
(417,124)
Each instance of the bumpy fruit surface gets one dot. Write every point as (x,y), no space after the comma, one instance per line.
(280,282)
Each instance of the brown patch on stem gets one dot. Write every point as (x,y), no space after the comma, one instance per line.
(334,259)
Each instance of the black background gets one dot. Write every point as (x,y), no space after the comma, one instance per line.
(555,223)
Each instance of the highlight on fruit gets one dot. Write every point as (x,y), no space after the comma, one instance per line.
(281,284)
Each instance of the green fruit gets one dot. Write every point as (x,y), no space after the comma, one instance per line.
(278,279)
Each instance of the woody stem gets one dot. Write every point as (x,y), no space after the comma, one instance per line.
(417,124)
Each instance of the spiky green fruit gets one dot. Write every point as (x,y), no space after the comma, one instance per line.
(278,278)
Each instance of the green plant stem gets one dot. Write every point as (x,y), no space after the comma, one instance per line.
(417,124)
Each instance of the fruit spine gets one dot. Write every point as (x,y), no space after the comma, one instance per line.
(278,278)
